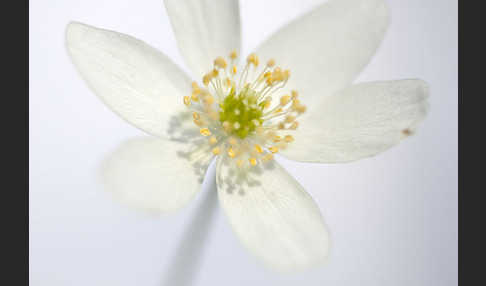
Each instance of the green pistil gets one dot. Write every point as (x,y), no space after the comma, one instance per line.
(242,109)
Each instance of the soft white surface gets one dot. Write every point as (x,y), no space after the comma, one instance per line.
(328,47)
(392,218)
(154,174)
(205,29)
(137,81)
(360,121)
(273,215)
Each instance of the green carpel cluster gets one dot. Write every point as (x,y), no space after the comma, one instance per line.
(242,111)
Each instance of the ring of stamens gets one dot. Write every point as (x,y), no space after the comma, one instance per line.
(236,111)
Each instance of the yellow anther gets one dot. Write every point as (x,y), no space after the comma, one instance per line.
(277,138)
(289,118)
(288,138)
(253,59)
(253,161)
(216,150)
(234,70)
(213,140)
(231,152)
(207,79)
(233,55)
(187,100)
(294,125)
(239,163)
(194,85)
(220,62)
(267,74)
(273,149)
(214,73)
(278,110)
(301,108)
(267,104)
(281,125)
(269,80)
(294,94)
(284,100)
(196,115)
(204,131)
(195,92)
(258,148)
(267,157)
(277,74)
(295,103)
(270,63)
(227,82)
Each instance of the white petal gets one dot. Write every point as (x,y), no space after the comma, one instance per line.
(360,121)
(327,48)
(135,80)
(154,174)
(273,216)
(205,29)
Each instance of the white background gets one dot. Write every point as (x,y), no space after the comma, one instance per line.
(393,217)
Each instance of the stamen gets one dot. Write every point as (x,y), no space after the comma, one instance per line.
(213,140)
(205,132)
(187,100)
(288,138)
(220,62)
(233,55)
(236,105)
(270,63)
(258,148)
(231,152)
(267,157)
(273,149)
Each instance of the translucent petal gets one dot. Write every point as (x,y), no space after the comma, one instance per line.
(272,215)
(136,81)
(360,121)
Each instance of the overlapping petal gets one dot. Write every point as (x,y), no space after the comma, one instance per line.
(135,80)
(204,29)
(154,174)
(272,215)
(328,47)
(360,121)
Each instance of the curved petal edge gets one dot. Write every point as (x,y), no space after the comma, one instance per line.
(273,216)
(136,81)
(360,121)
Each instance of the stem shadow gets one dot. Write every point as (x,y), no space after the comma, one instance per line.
(186,261)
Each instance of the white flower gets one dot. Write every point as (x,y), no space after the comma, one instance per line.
(243,114)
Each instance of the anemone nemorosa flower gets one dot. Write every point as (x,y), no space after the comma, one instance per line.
(293,96)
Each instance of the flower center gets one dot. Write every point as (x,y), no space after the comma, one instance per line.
(242,111)
(236,111)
